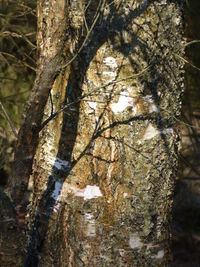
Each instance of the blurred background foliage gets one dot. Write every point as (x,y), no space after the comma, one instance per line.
(186,209)
(17,70)
(192,81)
(189,125)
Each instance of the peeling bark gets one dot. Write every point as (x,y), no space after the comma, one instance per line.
(103,173)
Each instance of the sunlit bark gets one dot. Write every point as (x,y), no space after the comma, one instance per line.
(104,170)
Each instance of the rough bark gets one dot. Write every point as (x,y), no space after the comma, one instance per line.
(103,182)
(51,42)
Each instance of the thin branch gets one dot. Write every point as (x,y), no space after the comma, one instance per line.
(99,9)
(51,101)
(17,35)
(189,164)
(186,61)
(192,42)
(90,93)
(87,6)
(5,59)
(84,18)
(10,79)
(110,3)
(8,119)
(182,122)
(13,95)
(18,60)
(186,124)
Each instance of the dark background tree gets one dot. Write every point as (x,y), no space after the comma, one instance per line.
(186,215)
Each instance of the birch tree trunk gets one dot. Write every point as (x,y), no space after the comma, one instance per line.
(104,169)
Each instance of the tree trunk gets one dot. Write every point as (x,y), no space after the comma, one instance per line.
(103,173)
(51,42)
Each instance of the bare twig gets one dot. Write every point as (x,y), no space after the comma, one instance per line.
(51,101)
(17,35)
(8,119)
(84,18)
(90,93)
(88,4)
(13,95)
(18,60)
(192,42)
(187,62)
(99,9)
(4,78)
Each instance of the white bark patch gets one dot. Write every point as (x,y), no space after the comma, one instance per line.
(159,255)
(124,101)
(57,190)
(177,20)
(135,241)
(89,192)
(62,191)
(109,74)
(90,225)
(110,68)
(56,207)
(151,132)
(28,157)
(49,144)
(58,163)
(30,183)
(152,106)
(110,62)
(121,252)
(167,131)
(92,105)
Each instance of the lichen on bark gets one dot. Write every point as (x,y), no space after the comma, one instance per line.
(111,205)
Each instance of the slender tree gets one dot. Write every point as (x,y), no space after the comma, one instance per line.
(97,150)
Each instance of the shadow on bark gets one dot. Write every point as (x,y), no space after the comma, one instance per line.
(159,75)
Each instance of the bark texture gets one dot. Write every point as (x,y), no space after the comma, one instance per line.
(51,42)
(104,171)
